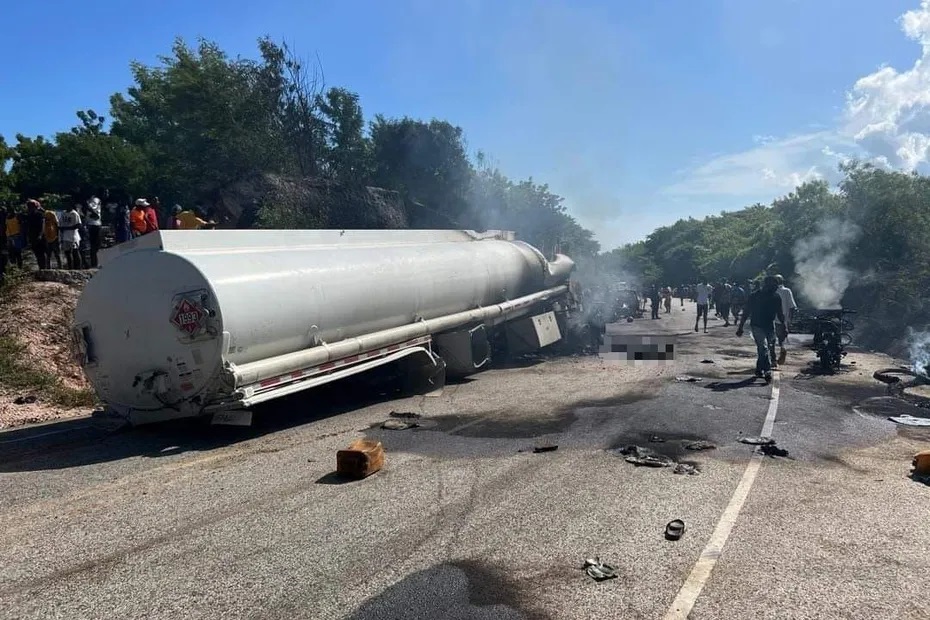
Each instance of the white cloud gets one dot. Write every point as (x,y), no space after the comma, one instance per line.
(886,120)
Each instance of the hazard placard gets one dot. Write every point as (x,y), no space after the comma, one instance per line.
(188,317)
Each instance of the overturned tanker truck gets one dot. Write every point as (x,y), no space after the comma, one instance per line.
(211,323)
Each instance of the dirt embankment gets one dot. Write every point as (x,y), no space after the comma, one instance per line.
(40,380)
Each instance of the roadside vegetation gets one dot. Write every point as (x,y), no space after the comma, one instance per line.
(19,374)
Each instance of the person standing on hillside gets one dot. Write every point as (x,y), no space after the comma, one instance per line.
(788,306)
(15,239)
(151,217)
(702,295)
(122,228)
(137,217)
(52,243)
(94,223)
(763,309)
(35,223)
(70,227)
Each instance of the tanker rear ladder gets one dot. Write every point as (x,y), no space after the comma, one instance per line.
(271,378)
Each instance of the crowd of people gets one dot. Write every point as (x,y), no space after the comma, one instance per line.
(73,235)
(767,304)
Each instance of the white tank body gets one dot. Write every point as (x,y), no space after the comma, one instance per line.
(179,304)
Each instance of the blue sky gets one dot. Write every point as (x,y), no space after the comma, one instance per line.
(638,112)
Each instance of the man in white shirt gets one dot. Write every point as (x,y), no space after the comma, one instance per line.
(69,230)
(702,292)
(787,306)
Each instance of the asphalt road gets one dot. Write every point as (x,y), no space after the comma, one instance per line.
(466,521)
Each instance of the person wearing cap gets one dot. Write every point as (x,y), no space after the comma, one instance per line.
(137,222)
(151,217)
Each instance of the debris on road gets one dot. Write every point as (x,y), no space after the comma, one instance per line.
(362,458)
(675,529)
(599,571)
(707,361)
(686,469)
(688,379)
(644,457)
(398,425)
(757,441)
(909,420)
(546,448)
(700,445)
(773,450)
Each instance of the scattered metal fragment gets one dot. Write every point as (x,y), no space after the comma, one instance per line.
(398,425)
(909,420)
(707,361)
(686,468)
(656,439)
(25,400)
(599,571)
(758,441)
(644,457)
(547,448)
(688,379)
(700,445)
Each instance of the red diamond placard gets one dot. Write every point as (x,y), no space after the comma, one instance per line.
(188,317)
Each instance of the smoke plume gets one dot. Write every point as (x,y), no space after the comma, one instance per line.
(819,258)
(919,350)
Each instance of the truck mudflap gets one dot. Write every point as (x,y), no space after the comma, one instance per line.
(306,378)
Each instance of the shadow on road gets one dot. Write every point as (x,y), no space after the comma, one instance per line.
(75,443)
(725,386)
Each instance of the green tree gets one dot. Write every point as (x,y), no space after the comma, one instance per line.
(426,162)
(347,152)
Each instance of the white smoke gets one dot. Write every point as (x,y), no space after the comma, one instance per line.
(919,350)
(819,258)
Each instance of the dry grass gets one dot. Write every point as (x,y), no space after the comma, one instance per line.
(35,352)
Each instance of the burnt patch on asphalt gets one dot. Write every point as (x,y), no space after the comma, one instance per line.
(671,445)
(462,589)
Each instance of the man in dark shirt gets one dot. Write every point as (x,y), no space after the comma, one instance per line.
(761,311)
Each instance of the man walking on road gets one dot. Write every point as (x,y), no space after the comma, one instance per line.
(702,293)
(788,306)
(763,309)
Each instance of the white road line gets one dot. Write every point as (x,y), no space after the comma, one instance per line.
(694,584)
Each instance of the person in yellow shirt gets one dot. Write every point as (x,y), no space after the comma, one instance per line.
(15,239)
(189,220)
(52,245)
